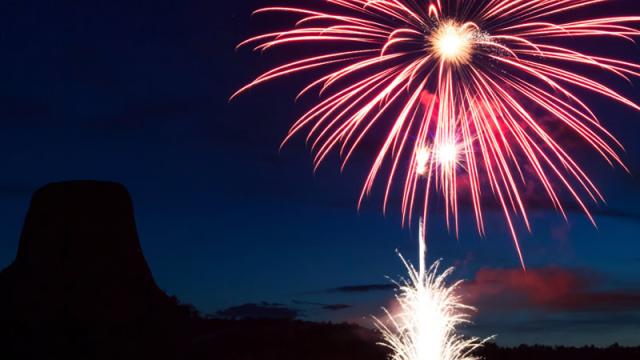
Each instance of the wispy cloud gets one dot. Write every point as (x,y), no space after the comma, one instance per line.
(330,307)
(362,288)
(261,310)
(551,289)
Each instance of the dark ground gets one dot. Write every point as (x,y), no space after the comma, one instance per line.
(80,288)
(271,339)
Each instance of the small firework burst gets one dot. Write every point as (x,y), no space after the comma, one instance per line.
(426,323)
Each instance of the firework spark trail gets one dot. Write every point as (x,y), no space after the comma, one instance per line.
(462,86)
(429,313)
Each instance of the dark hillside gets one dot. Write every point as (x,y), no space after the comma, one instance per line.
(80,288)
(80,284)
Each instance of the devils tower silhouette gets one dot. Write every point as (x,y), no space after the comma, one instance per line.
(79,285)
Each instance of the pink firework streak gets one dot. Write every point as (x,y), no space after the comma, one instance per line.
(461,86)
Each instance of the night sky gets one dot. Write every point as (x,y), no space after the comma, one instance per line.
(136,92)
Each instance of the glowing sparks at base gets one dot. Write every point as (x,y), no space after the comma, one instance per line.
(429,314)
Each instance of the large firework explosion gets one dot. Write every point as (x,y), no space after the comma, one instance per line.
(471,93)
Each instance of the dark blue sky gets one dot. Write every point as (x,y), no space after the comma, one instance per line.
(136,92)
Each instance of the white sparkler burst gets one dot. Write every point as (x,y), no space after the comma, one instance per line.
(446,157)
(429,315)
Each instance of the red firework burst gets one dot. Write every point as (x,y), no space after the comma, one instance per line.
(462,85)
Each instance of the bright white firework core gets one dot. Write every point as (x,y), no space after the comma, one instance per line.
(422,159)
(453,42)
(447,154)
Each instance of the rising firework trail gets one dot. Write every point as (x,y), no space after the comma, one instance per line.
(428,314)
(471,94)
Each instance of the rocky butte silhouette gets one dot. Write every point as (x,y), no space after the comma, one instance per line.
(80,285)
